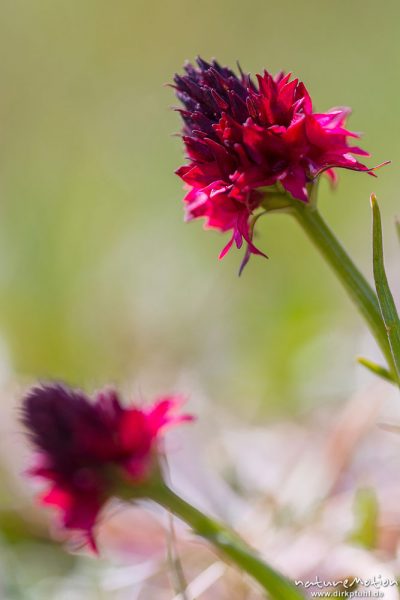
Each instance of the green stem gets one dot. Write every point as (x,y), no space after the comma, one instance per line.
(228,543)
(353,281)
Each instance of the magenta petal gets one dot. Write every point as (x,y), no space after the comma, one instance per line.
(165,413)
(295,183)
(226,249)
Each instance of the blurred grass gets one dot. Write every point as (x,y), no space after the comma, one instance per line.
(99,277)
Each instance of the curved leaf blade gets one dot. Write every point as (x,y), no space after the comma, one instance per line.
(385,297)
(376,369)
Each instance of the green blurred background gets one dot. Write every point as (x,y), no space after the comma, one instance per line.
(100,279)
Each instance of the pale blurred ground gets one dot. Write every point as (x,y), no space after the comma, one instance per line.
(100,279)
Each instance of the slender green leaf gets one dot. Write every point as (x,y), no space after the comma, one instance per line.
(376,369)
(385,297)
(366,512)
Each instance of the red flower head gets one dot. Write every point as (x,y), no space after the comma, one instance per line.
(84,447)
(245,140)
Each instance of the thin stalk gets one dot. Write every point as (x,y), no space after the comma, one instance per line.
(353,281)
(228,543)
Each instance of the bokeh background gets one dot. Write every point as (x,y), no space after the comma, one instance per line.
(100,279)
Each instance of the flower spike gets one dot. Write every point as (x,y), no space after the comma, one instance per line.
(87,449)
(248,139)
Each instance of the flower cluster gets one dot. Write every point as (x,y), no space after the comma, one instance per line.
(85,447)
(244,139)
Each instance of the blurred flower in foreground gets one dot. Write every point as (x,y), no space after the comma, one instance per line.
(87,450)
(91,452)
(242,137)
